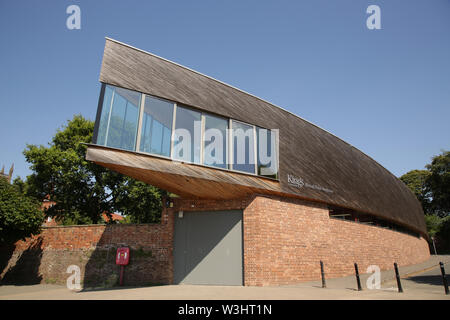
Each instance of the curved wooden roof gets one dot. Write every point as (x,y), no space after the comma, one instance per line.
(332,171)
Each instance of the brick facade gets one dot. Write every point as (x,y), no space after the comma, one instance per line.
(45,258)
(284,240)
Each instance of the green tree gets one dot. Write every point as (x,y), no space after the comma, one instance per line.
(140,202)
(20,216)
(444,233)
(20,185)
(433,223)
(432,189)
(81,189)
(416,180)
(438,184)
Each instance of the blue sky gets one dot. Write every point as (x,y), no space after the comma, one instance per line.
(386,92)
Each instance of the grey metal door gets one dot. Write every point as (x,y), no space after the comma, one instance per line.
(208,248)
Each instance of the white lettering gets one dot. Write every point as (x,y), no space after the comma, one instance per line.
(374,21)
(73,282)
(74,20)
(374,281)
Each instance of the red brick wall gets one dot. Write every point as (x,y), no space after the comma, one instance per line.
(284,240)
(45,257)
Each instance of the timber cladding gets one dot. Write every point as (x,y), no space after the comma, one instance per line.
(330,170)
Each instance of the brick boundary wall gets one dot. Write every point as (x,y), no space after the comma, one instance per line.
(44,258)
(284,240)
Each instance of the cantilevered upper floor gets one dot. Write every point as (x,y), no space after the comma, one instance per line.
(190,134)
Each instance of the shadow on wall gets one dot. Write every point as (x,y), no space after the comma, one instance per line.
(25,271)
(49,257)
(6,253)
(149,262)
(100,269)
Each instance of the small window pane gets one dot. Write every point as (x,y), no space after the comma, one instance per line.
(156,126)
(123,119)
(119,117)
(267,153)
(215,142)
(106,107)
(243,147)
(187,135)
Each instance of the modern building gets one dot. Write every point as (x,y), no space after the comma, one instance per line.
(264,195)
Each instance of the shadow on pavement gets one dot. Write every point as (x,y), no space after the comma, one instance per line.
(98,289)
(435,280)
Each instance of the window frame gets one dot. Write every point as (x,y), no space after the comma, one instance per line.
(255,171)
(110,107)
(229,149)
(277,150)
(141,116)
(193,145)
(227,140)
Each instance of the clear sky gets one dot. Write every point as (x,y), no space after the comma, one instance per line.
(386,92)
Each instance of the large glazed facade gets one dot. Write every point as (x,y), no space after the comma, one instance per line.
(284,177)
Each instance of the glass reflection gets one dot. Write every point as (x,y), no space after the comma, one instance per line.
(156,128)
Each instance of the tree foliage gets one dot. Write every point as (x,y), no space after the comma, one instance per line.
(433,223)
(83,190)
(444,231)
(438,184)
(139,201)
(416,180)
(432,186)
(432,189)
(20,216)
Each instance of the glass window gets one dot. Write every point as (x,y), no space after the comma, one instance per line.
(104,118)
(253,149)
(187,135)
(267,152)
(118,122)
(243,147)
(156,128)
(215,142)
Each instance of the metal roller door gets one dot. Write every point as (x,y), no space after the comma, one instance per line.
(208,248)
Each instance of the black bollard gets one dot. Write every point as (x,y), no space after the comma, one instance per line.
(444,278)
(357,277)
(324,285)
(397,275)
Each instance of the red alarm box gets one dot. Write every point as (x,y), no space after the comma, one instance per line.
(123,256)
